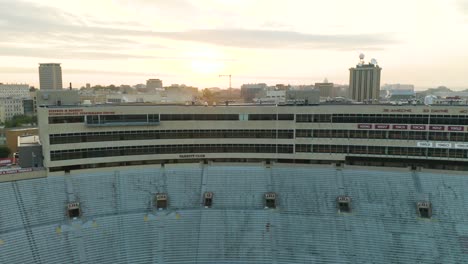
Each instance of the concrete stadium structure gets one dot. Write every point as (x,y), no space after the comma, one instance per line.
(242,184)
(119,222)
(122,135)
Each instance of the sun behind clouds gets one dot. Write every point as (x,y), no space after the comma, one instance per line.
(206,60)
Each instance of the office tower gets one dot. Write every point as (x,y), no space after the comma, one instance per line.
(364,81)
(50,76)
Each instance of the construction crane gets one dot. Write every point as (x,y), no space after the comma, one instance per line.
(227,75)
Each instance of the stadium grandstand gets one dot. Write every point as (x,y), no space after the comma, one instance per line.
(242,184)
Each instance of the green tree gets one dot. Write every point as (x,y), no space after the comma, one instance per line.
(4,152)
(207,96)
(19,120)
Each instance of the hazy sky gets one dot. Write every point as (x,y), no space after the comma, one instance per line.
(423,42)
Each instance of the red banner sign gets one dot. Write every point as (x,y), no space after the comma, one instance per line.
(6,162)
(15,171)
(456,128)
(437,128)
(364,126)
(382,126)
(400,126)
(418,127)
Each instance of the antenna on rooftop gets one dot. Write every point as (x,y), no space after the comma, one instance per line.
(361,58)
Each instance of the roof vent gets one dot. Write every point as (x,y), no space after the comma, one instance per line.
(73,210)
(424,209)
(208,199)
(270,200)
(343,203)
(161,201)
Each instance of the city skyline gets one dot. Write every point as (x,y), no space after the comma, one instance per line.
(192,42)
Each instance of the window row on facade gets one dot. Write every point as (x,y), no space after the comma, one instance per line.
(225,117)
(383,118)
(167,134)
(378,134)
(113,119)
(169,149)
(154,118)
(381,150)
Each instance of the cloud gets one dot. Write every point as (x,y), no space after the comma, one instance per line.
(278,39)
(463,6)
(34,30)
(60,53)
(21,70)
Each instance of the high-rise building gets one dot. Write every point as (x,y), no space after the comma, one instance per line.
(50,76)
(364,81)
(153,84)
(326,89)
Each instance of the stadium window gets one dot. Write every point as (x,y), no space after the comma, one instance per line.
(401,135)
(303,148)
(377,134)
(442,136)
(303,118)
(339,134)
(65,119)
(375,150)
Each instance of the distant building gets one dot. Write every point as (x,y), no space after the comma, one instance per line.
(283,87)
(271,96)
(364,81)
(50,76)
(399,87)
(94,96)
(88,86)
(397,92)
(342,90)
(249,91)
(307,97)
(28,106)
(30,152)
(14,90)
(13,134)
(154,97)
(179,93)
(454,94)
(326,89)
(57,97)
(214,89)
(33,96)
(10,107)
(153,84)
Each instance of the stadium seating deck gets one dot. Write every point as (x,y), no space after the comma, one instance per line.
(120,225)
